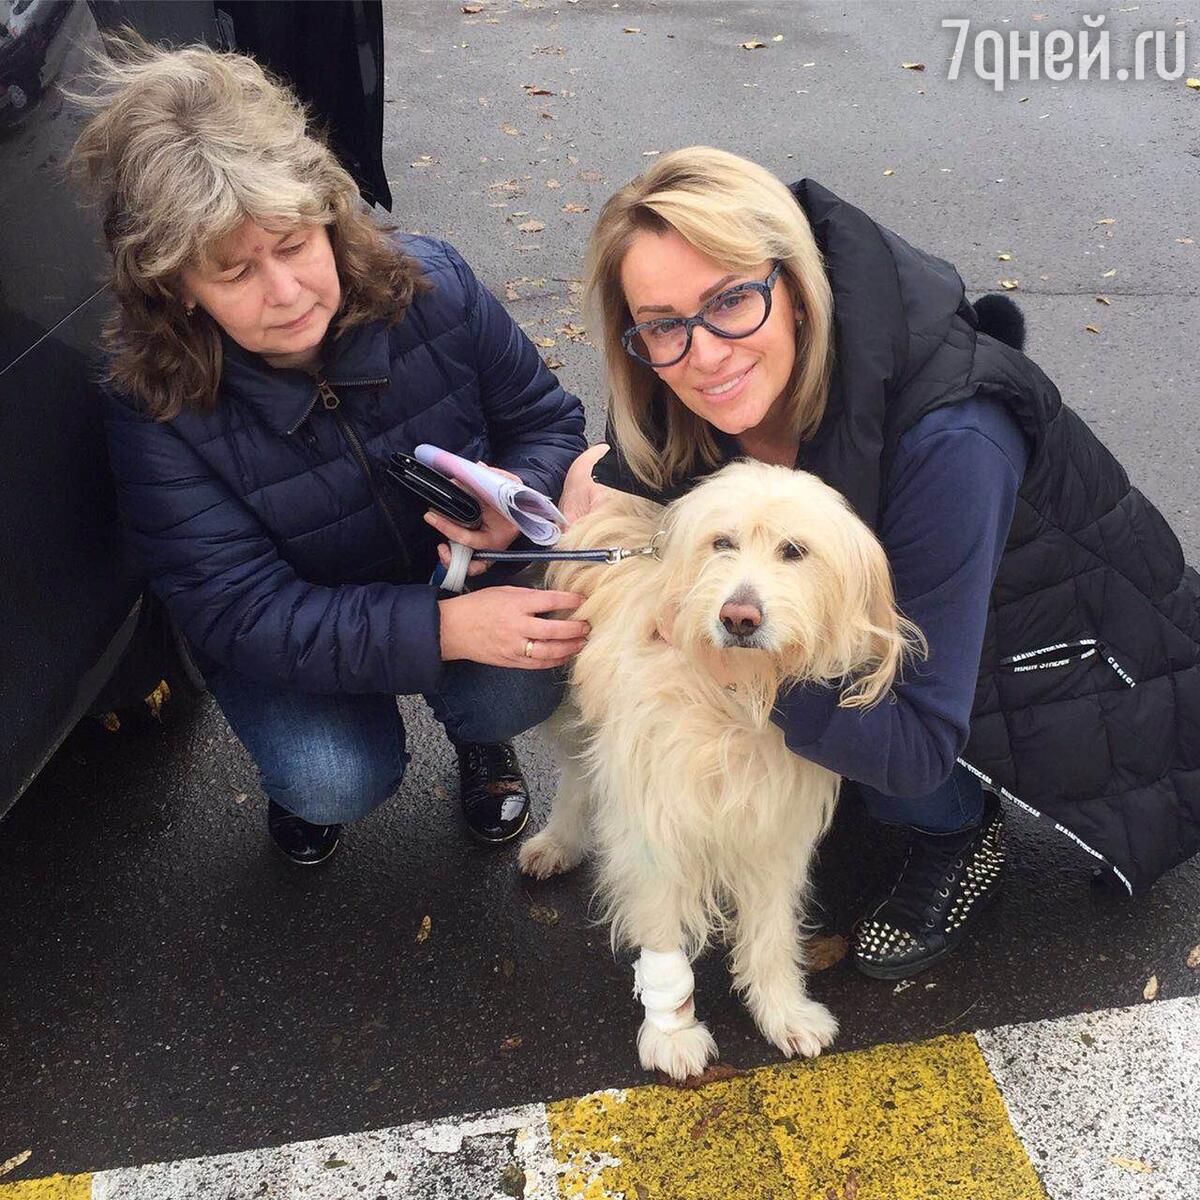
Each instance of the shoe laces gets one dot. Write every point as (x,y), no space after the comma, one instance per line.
(495,760)
(927,878)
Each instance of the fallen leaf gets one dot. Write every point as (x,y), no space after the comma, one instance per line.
(511,186)
(1103,300)
(510,291)
(754,44)
(426,926)
(913,66)
(631,29)
(1003,256)
(512,1180)
(1151,988)
(1010,285)
(533,225)
(777,38)
(1186,241)
(1193,83)
(641,1191)
(508,968)
(549,50)
(1193,958)
(554,364)
(575,332)
(543,914)
(110,721)
(1093,329)
(553,183)
(850,1187)
(544,343)
(1109,273)
(511,1043)
(511,130)
(332,1163)
(823,952)
(472,8)
(591,176)
(889,171)
(697,1130)
(11,1164)
(649,153)
(572,207)
(1136,1165)
(713,1074)
(532,89)
(157,698)
(1023,100)
(240,797)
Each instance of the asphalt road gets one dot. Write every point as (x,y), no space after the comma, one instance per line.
(170,987)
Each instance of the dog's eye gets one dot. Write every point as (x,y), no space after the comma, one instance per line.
(724,543)
(792,550)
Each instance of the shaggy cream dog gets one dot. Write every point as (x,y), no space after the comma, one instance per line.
(701,819)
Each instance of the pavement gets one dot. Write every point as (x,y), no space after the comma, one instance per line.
(171,992)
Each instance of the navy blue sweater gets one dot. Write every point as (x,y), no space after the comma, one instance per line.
(948,503)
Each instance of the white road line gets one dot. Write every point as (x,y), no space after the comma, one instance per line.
(1121,1084)
(488,1157)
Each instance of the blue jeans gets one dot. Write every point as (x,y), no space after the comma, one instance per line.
(956,805)
(334,758)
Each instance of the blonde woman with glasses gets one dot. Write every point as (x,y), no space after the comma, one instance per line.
(270,349)
(741,318)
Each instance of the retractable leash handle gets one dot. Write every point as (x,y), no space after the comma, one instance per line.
(460,558)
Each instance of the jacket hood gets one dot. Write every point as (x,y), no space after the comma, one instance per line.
(894,307)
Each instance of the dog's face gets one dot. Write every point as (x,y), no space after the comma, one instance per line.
(772,564)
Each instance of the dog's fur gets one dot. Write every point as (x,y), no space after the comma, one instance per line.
(672,770)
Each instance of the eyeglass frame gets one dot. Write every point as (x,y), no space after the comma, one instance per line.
(763,286)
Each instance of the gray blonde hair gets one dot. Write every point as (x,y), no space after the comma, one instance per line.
(740,215)
(185,145)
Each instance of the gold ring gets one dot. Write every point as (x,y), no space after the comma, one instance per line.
(529,648)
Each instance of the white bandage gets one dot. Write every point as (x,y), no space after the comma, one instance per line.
(664,983)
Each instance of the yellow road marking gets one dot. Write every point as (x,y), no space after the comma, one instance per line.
(916,1122)
(52,1187)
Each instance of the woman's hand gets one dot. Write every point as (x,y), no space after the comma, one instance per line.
(502,626)
(581,493)
(495,533)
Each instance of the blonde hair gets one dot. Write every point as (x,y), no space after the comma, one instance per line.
(740,215)
(186,145)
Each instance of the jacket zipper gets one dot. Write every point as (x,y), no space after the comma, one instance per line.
(330,401)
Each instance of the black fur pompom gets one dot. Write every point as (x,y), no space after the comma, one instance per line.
(1002,319)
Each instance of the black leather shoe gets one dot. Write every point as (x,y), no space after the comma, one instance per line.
(945,881)
(495,800)
(301,841)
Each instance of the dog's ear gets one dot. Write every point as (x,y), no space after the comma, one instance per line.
(870,638)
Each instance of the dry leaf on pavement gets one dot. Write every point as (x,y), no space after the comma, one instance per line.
(553,363)
(1136,1165)
(532,89)
(543,914)
(544,343)
(511,130)
(1010,285)
(11,1164)
(1107,221)
(631,29)
(1091,329)
(1151,988)
(572,207)
(1109,273)
(510,290)
(533,225)
(823,952)
(1193,958)
(426,926)
(754,44)
(1004,256)
(510,1043)
(472,8)
(889,171)
(553,183)
(1194,83)
(914,66)
(1104,300)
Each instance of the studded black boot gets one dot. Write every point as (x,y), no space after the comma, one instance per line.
(942,886)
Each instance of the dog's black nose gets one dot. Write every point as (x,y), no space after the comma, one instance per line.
(740,619)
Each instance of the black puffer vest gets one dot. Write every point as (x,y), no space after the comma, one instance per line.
(1087,709)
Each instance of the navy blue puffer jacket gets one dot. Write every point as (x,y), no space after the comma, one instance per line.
(268,527)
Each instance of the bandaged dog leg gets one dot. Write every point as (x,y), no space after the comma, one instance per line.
(671,1039)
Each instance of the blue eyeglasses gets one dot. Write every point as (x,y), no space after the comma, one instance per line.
(736,312)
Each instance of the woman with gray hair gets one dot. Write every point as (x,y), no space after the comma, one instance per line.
(270,349)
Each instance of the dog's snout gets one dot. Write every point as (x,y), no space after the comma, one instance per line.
(740,619)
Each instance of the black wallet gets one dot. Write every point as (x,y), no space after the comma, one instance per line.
(437,490)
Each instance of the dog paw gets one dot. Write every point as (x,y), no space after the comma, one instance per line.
(680,1054)
(542,856)
(802,1026)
